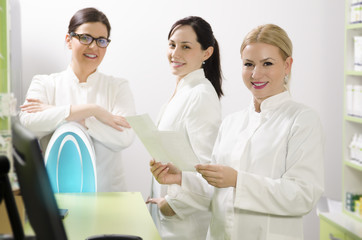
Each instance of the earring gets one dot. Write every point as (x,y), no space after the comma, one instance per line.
(203,62)
(286,77)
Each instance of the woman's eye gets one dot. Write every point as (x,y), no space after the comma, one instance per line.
(85,38)
(186,47)
(248,64)
(171,45)
(268,64)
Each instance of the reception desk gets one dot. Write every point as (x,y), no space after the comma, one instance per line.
(105,213)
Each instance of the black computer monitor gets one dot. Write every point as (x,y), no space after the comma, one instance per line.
(37,194)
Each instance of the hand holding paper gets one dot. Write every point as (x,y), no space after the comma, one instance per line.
(165,173)
(164,146)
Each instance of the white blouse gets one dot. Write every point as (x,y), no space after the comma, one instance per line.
(62,90)
(194,110)
(278,154)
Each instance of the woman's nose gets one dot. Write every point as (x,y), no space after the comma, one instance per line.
(257,73)
(175,52)
(92,44)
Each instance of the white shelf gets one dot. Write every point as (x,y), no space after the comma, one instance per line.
(352,170)
(354,164)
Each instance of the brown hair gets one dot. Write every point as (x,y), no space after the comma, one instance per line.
(87,15)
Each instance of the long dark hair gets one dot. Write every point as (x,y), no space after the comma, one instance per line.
(87,15)
(205,37)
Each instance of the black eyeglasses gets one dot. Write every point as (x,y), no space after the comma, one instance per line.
(88,39)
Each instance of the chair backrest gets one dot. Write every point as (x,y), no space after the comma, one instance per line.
(38,197)
(70,160)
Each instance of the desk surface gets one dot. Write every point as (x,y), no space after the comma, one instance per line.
(106,213)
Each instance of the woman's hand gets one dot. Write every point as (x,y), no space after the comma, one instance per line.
(162,205)
(165,173)
(82,122)
(34,105)
(80,112)
(218,175)
(117,122)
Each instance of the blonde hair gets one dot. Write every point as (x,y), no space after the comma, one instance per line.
(270,34)
(273,35)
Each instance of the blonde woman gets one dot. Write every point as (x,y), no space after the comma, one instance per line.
(268,158)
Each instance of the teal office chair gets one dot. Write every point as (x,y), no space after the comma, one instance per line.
(70,160)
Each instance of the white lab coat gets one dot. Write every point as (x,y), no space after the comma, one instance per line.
(194,110)
(278,154)
(62,90)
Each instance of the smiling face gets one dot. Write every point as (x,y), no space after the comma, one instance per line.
(264,70)
(185,53)
(86,58)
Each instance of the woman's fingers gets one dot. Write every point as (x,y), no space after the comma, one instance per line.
(31,108)
(33,100)
(118,123)
(153,161)
(34,105)
(29,104)
(162,174)
(208,173)
(206,167)
(207,170)
(153,200)
(121,121)
(157,169)
(149,200)
(218,175)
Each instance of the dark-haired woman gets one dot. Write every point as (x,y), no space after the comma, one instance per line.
(82,94)
(194,109)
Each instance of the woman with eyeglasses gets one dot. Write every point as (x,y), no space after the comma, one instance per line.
(84,95)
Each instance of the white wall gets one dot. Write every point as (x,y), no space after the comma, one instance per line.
(138,53)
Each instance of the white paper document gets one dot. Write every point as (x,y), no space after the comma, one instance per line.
(164,146)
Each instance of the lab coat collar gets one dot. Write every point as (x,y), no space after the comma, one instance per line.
(272,102)
(199,73)
(190,78)
(90,78)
